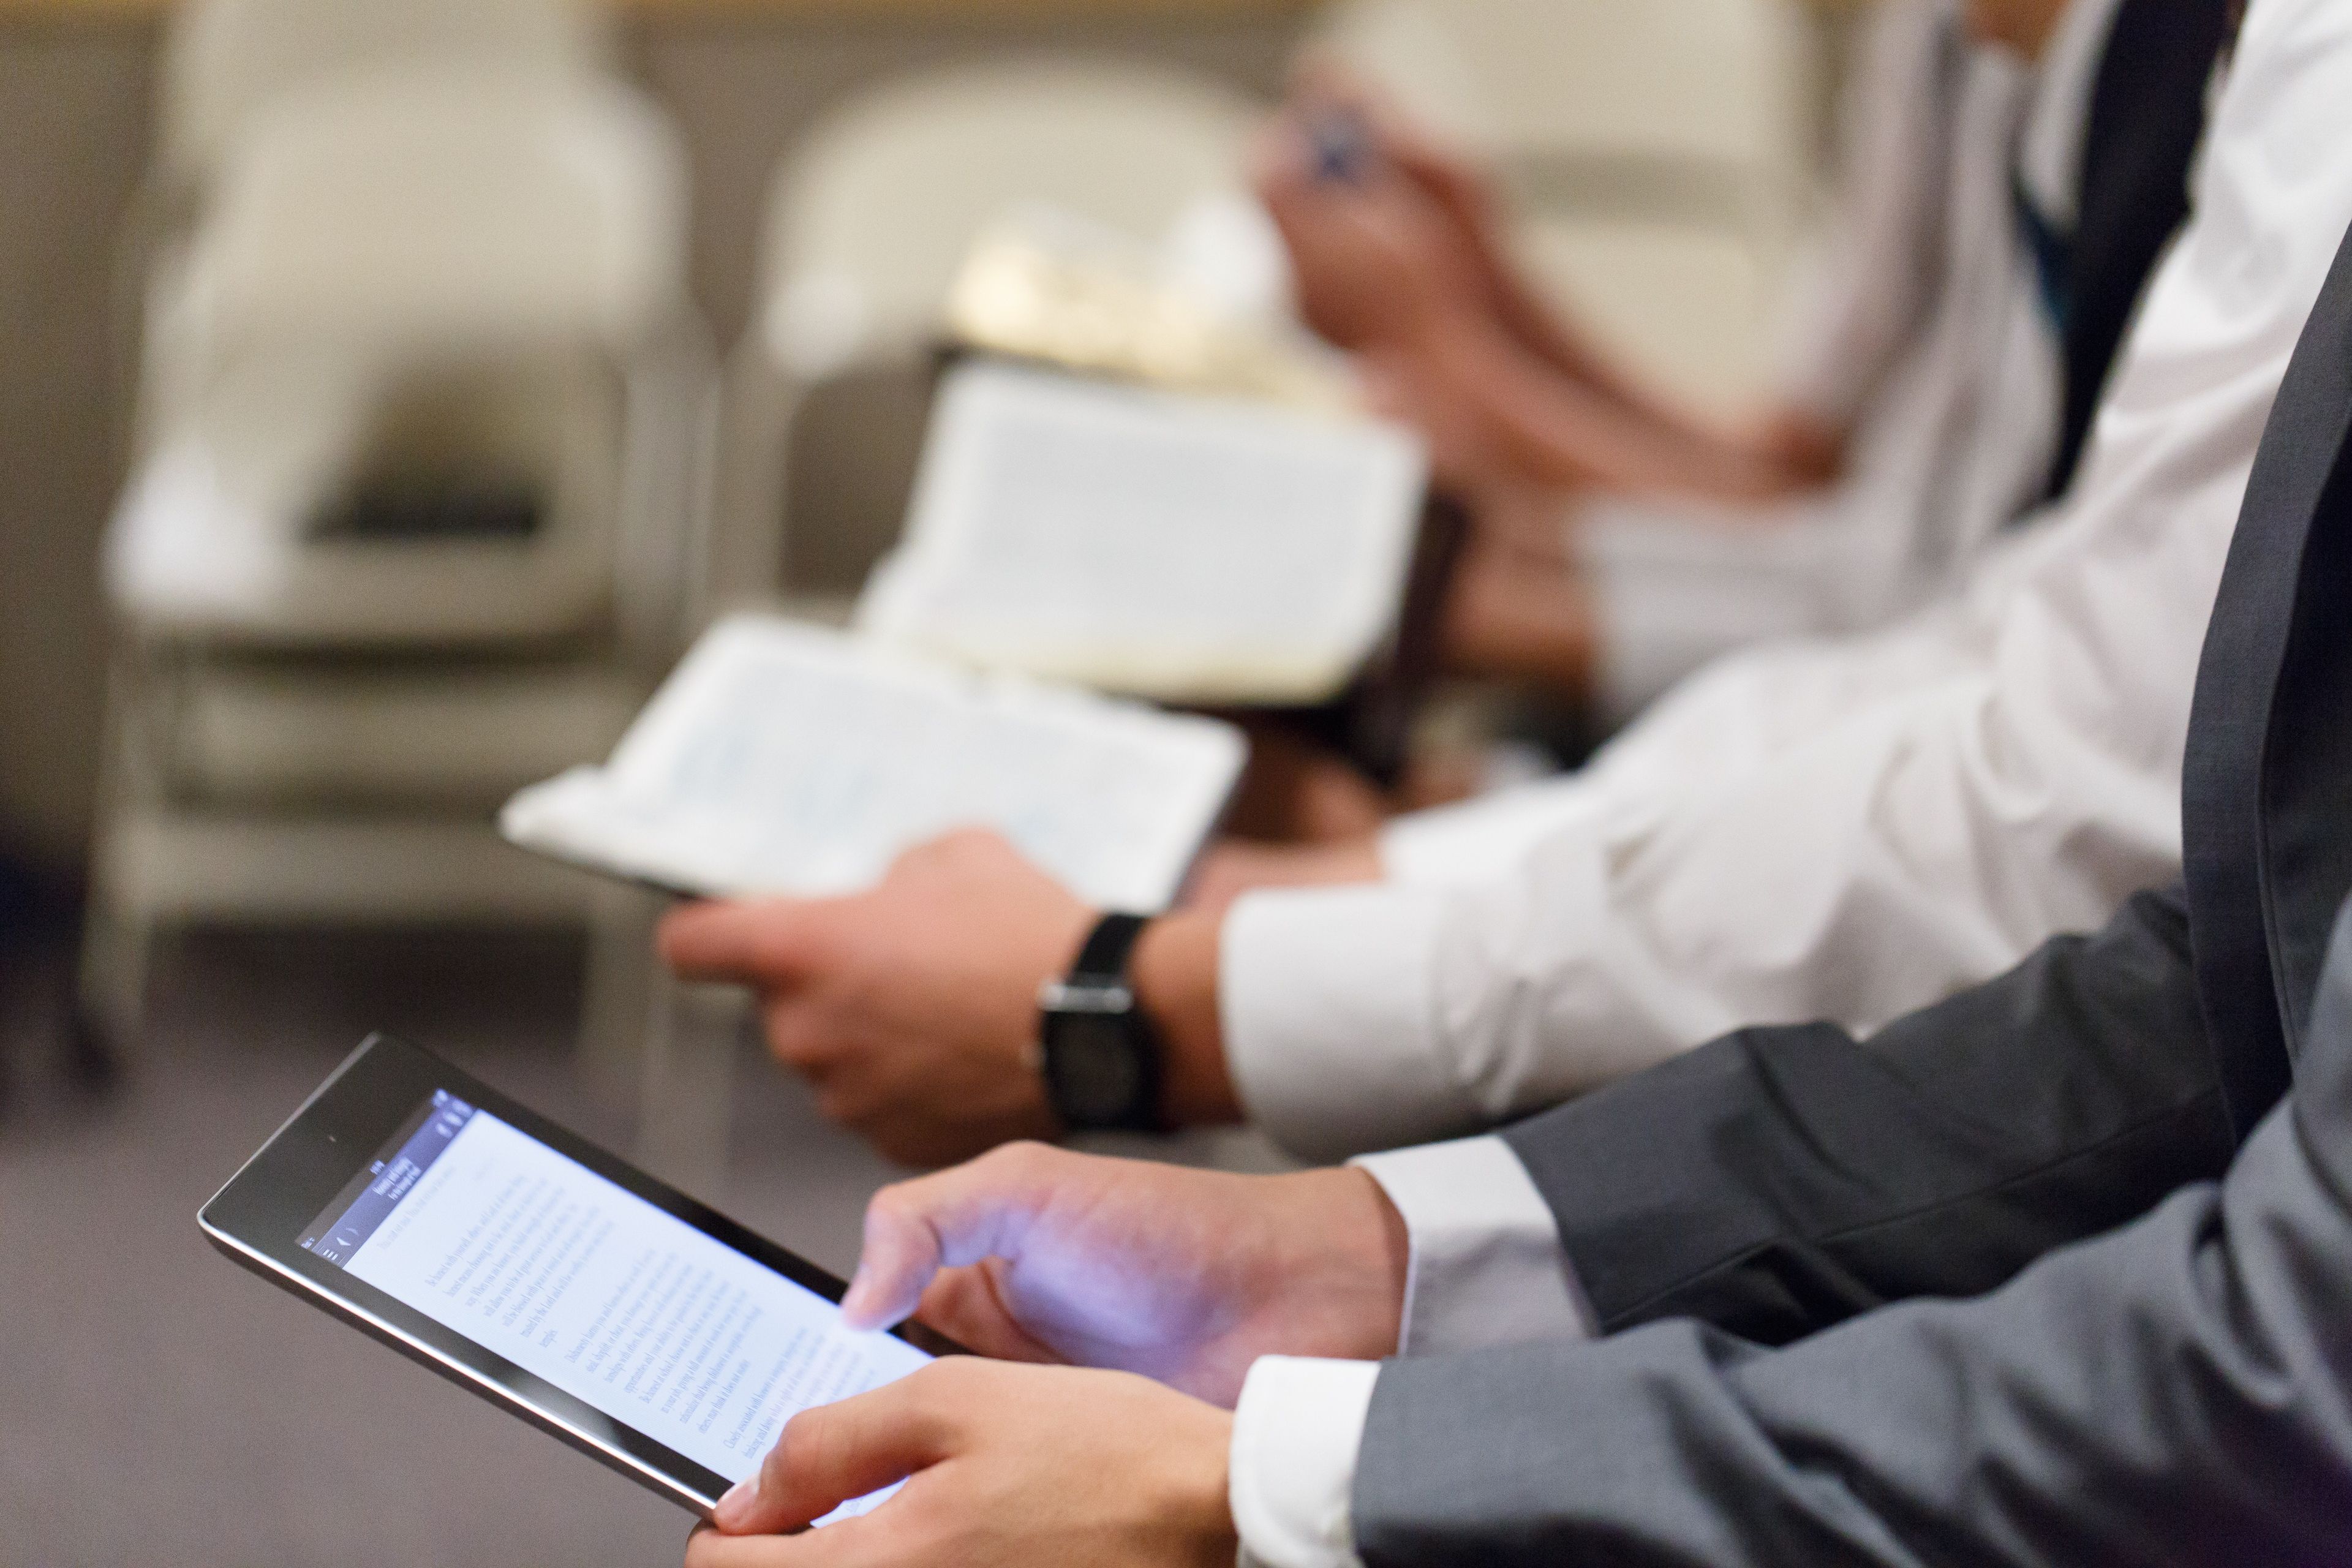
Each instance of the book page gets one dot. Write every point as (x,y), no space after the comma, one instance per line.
(1185,548)
(786,759)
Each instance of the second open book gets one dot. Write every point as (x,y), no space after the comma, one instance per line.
(1188,549)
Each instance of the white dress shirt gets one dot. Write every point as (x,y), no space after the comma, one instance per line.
(1925,333)
(1841,829)
(2273,200)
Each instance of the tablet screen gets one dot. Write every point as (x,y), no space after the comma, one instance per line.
(579,1281)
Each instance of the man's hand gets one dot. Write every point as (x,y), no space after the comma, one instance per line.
(912,1008)
(1324,83)
(1380,263)
(1039,1254)
(1324,91)
(1433,385)
(1006,1466)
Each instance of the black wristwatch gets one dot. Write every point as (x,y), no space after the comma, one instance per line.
(1101,1055)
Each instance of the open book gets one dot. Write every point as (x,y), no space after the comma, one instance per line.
(1195,549)
(1048,286)
(781,758)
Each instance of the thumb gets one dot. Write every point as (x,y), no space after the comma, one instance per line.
(729,941)
(830,1454)
(954,1218)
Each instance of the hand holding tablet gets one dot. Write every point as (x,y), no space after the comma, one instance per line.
(1042,1254)
(1007,1467)
(1034,1253)
(721,1371)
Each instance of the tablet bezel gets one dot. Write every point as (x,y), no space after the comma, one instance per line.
(259,1215)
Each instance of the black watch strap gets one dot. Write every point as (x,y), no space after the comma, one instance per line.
(1102,961)
(1101,1056)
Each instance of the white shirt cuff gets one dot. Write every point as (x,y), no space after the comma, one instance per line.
(1296,1432)
(1328,1005)
(1487,1267)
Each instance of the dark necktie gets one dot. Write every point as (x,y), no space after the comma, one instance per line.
(2147,114)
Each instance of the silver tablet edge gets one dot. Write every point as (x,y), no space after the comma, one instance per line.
(308,1100)
(376,1328)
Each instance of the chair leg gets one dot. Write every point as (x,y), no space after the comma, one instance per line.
(118,931)
(617,992)
(109,992)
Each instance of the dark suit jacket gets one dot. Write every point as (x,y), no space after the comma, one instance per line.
(1782,1179)
(2176,1394)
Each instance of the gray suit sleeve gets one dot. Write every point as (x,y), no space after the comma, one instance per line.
(2178,1392)
(1780,1180)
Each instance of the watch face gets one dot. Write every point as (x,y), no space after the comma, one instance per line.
(1097,1069)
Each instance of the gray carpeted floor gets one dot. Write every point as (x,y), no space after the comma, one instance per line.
(160,1406)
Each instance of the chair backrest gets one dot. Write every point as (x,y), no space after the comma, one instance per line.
(225,59)
(469,203)
(868,221)
(419,283)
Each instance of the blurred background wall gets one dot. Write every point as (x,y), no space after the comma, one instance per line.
(743,79)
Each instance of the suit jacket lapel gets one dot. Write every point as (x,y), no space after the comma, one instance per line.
(2259,783)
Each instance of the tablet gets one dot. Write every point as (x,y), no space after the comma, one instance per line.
(549,1277)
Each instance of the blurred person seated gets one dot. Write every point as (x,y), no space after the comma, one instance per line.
(2012,168)
(1840,831)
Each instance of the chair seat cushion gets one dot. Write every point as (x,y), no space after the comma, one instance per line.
(186,557)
